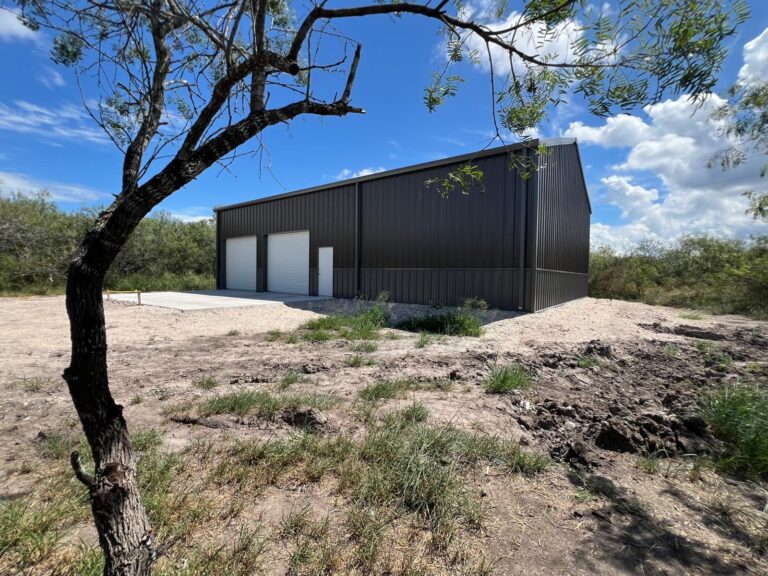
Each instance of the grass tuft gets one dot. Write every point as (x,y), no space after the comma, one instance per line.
(264,404)
(388,389)
(289,379)
(366,346)
(738,416)
(362,325)
(503,380)
(205,383)
(461,323)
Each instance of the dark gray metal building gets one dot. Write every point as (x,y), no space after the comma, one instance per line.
(518,243)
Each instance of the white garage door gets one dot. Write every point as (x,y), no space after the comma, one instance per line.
(241,263)
(288,263)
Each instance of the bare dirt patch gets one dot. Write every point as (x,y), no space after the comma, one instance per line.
(613,404)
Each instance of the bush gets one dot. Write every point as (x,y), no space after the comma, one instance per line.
(163,253)
(697,272)
(362,325)
(739,417)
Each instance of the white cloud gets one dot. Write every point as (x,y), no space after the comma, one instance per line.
(618,131)
(346,173)
(192,213)
(65,122)
(755,58)
(51,78)
(673,143)
(60,191)
(12,29)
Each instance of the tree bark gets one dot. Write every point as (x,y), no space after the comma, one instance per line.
(124,531)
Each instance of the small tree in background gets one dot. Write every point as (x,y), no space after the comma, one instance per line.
(183,84)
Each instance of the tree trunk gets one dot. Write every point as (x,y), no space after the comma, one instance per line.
(124,531)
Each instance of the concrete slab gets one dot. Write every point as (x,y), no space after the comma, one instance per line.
(212,299)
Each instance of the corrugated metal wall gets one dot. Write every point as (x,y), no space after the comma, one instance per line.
(562,228)
(422,248)
(329,215)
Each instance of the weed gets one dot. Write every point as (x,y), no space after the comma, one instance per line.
(461,323)
(233,332)
(137,399)
(292,339)
(366,346)
(649,464)
(289,379)
(357,361)
(388,389)
(714,357)
(264,404)
(415,413)
(507,378)
(584,494)
(273,335)
(671,350)
(57,445)
(205,383)
(738,416)
(587,362)
(691,316)
(362,325)
(424,340)
(33,384)
(317,335)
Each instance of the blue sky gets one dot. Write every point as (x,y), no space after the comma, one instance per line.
(645,172)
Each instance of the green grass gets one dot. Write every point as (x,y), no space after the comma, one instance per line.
(738,415)
(505,379)
(415,413)
(362,325)
(424,340)
(273,335)
(205,383)
(388,389)
(289,379)
(317,335)
(714,356)
(587,362)
(264,404)
(671,350)
(366,346)
(358,361)
(58,445)
(461,323)
(292,339)
(691,316)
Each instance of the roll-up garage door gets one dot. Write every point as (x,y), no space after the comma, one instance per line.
(288,262)
(241,263)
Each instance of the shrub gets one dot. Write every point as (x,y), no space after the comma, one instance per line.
(507,378)
(461,323)
(738,416)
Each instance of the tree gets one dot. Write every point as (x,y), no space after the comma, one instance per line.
(744,119)
(183,84)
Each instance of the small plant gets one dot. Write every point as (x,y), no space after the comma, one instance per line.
(363,325)
(587,362)
(33,384)
(508,378)
(263,404)
(205,383)
(137,399)
(289,379)
(424,340)
(461,323)
(691,316)
(738,416)
(57,445)
(233,333)
(317,335)
(292,339)
(413,414)
(714,357)
(365,346)
(649,464)
(671,350)
(273,335)
(474,304)
(388,389)
(357,361)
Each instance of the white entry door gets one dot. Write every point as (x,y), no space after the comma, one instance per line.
(325,271)
(288,262)
(241,263)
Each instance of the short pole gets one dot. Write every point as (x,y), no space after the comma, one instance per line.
(138,295)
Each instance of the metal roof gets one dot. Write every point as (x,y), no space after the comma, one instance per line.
(414,168)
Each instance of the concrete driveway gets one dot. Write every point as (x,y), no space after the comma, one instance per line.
(212,299)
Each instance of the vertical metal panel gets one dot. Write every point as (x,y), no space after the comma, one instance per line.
(562,223)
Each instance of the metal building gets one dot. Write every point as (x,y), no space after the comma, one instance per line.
(518,243)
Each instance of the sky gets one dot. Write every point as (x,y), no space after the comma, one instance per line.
(646,172)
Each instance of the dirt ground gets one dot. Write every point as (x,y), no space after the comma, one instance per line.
(614,405)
